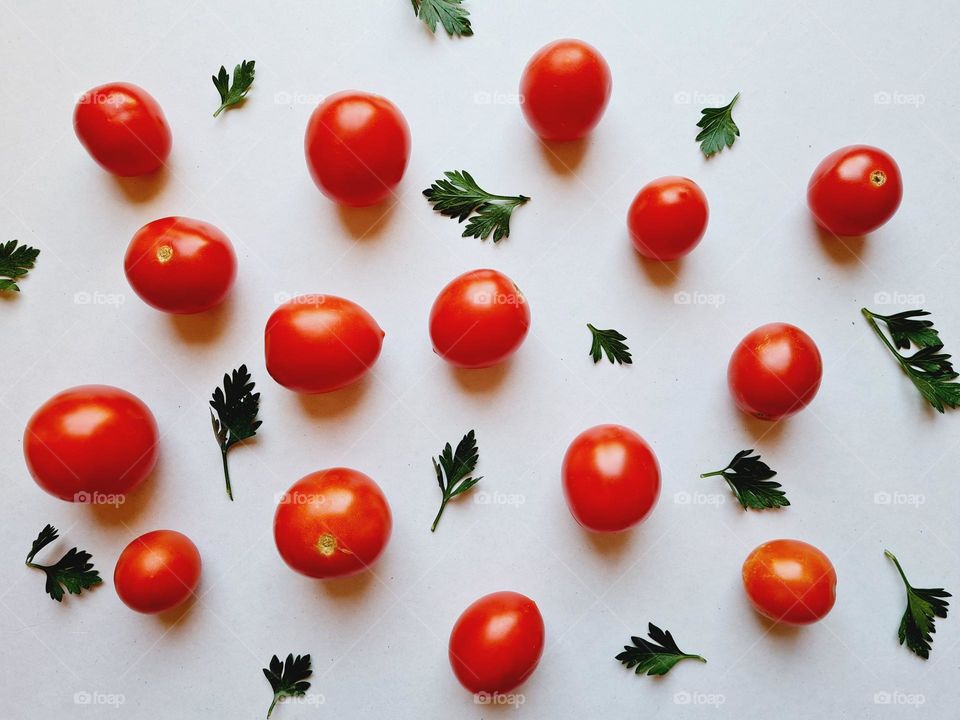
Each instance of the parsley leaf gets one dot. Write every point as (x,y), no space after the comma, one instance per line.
(923,604)
(654,658)
(457,467)
(15,262)
(611,343)
(73,571)
(459,196)
(749,479)
(288,679)
(236,420)
(718,128)
(242,80)
(449,13)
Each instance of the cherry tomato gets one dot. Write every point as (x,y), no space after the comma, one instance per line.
(611,478)
(668,218)
(123,129)
(91,442)
(565,89)
(855,190)
(332,523)
(479,319)
(357,148)
(180,265)
(157,571)
(320,343)
(497,642)
(790,581)
(775,371)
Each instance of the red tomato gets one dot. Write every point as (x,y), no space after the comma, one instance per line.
(790,581)
(89,442)
(123,129)
(180,265)
(855,190)
(479,319)
(611,478)
(775,371)
(668,218)
(332,523)
(565,89)
(157,571)
(497,642)
(320,343)
(357,148)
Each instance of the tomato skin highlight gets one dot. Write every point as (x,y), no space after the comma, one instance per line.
(855,190)
(357,147)
(123,129)
(790,581)
(497,642)
(668,218)
(91,441)
(157,571)
(611,478)
(332,523)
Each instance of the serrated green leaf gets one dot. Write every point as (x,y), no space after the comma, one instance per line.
(458,196)
(454,469)
(288,679)
(656,656)
(231,95)
(923,606)
(749,479)
(611,343)
(72,573)
(15,261)
(449,13)
(718,128)
(236,407)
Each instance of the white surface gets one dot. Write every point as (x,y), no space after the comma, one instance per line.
(809,73)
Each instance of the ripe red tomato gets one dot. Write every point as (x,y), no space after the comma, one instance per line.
(357,148)
(89,442)
(611,478)
(332,523)
(497,642)
(157,571)
(479,319)
(565,89)
(180,265)
(790,581)
(320,343)
(775,371)
(668,218)
(855,190)
(123,129)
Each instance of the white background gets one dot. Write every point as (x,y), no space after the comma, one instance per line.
(810,74)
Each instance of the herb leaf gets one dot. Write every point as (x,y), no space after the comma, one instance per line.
(288,679)
(449,13)
(611,343)
(236,419)
(749,479)
(654,658)
(456,467)
(719,129)
(242,80)
(459,196)
(923,604)
(73,572)
(15,262)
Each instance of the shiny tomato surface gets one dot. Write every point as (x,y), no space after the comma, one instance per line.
(668,218)
(790,581)
(157,571)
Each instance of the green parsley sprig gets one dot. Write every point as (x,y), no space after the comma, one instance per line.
(656,656)
(236,407)
(73,572)
(611,343)
(449,13)
(231,95)
(923,605)
(15,262)
(718,128)
(454,471)
(459,196)
(288,679)
(749,479)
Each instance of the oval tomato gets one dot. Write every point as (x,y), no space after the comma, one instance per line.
(157,571)
(123,129)
(790,581)
(357,148)
(668,218)
(332,523)
(611,478)
(91,442)
(497,642)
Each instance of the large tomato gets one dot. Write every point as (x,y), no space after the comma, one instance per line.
(91,442)
(157,571)
(790,581)
(320,343)
(123,129)
(332,523)
(668,218)
(497,642)
(357,148)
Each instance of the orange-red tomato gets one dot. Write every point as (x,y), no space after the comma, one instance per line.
(497,642)
(332,523)
(790,581)
(157,571)
(668,218)
(91,443)
(611,478)
(123,129)
(180,265)
(320,343)
(357,148)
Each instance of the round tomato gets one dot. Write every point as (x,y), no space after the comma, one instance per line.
(790,581)
(611,478)
(497,642)
(855,190)
(479,319)
(564,90)
(180,265)
(357,147)
(123,129)
(668,218)
(332,523)
(775,371)
(320,343)
(157,571)
(91,444)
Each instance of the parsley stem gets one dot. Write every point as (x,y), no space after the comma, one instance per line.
(272,705)
(226,473)
(443,505)
(876,328)
(713,474)
(897,563)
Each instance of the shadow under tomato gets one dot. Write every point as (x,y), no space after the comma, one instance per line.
(349,587)
(367,223)
(323,406)
(564,158)
(848,251)
(610,545)
(205,327)
(482,380)
(125,513)
(660,273)
(780,631)
(142,188)
(762,431)
(176,619)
